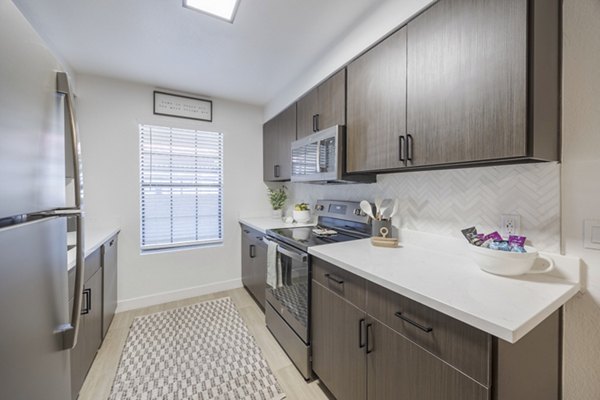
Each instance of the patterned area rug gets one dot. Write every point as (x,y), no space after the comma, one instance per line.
(199,352)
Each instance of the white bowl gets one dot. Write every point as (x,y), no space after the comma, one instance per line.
(301,216)
(500,262)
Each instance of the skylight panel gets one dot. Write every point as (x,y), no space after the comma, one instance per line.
(223,9)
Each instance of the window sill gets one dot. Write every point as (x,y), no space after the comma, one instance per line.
(180,248)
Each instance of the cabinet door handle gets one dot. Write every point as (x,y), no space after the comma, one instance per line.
(252,251)
(424,328)
(317,123)
(87,303)
(334,278)
(276,171)
(409,150)
(369,338)
(361,328)
(111,243)
(401,148)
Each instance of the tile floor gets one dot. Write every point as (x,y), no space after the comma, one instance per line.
(99,380)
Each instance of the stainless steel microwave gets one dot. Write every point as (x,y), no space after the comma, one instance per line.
(320,158)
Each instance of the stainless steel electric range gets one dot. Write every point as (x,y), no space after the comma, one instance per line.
(288,290)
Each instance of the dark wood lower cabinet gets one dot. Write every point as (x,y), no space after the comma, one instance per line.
(370,343)
(90,332)
(338,344)
(254,264)
(399,369)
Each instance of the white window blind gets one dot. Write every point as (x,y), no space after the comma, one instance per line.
(181,177)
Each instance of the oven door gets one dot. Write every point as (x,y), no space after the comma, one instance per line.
(288,288)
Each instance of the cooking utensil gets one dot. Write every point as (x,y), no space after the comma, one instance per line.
(378,202)
(394,209)
(365,206)
(385,205)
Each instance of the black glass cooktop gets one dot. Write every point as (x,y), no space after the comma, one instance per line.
(304,237)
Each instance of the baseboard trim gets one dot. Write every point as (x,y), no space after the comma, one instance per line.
(175,295)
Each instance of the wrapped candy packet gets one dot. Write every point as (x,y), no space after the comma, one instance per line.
(471,235)
(495,236)
(515,240)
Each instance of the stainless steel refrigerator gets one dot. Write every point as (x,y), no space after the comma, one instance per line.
(36,327)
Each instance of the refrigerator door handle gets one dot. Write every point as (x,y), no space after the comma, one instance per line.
(63,87)
(71,331)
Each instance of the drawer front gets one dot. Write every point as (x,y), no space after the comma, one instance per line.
(345,284)
(92,265)
(252,234)
(462,346)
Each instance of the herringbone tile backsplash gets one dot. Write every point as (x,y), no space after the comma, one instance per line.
(447,201)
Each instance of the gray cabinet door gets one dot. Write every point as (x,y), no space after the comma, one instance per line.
(109,283)
(332,101)
(377,107)
(90,332)
(247,259)
(254,264)
(399,369)
(286,125)
(467,82)
(308,108)
(338,356)
(278,135)
(260,272)
(270,150)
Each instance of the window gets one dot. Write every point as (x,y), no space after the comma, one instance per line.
(181,193)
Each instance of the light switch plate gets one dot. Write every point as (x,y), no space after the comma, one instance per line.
(591,234)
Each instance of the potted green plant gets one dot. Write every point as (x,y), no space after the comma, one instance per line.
(301,212)
(277,198)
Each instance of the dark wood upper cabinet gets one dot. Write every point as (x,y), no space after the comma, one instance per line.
(376,120)
(467,82)
(323,106)
(307,107)
(278,135)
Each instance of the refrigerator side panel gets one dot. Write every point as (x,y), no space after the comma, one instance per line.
(33,305)
(32,136)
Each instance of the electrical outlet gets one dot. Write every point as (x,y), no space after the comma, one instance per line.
(510,224)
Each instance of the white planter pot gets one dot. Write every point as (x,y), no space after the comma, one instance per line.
(301,216)
(277,214)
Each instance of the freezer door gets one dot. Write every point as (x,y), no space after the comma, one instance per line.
(33,309)
(32,149)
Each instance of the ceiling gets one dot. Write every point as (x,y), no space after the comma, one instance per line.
(158,42)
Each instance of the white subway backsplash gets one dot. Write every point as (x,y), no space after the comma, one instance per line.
(447,201)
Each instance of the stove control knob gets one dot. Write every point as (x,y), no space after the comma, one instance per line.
(319,207)
(358,212)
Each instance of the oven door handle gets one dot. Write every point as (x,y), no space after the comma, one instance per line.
(293,255)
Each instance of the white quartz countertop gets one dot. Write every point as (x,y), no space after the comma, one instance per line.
(93,239)
(261,224)
(443,277)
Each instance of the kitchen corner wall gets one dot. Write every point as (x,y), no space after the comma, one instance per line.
(109,112)
(446,201)
(581,191)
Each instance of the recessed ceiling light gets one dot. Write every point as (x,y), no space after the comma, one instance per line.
(224,9)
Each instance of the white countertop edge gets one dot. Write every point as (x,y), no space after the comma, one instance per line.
(502,332)
(93,239)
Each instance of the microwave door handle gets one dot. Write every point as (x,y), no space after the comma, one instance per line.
(318,169)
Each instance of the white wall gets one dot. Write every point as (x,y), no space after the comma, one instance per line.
(379,22)
(109,112)
(581,190)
